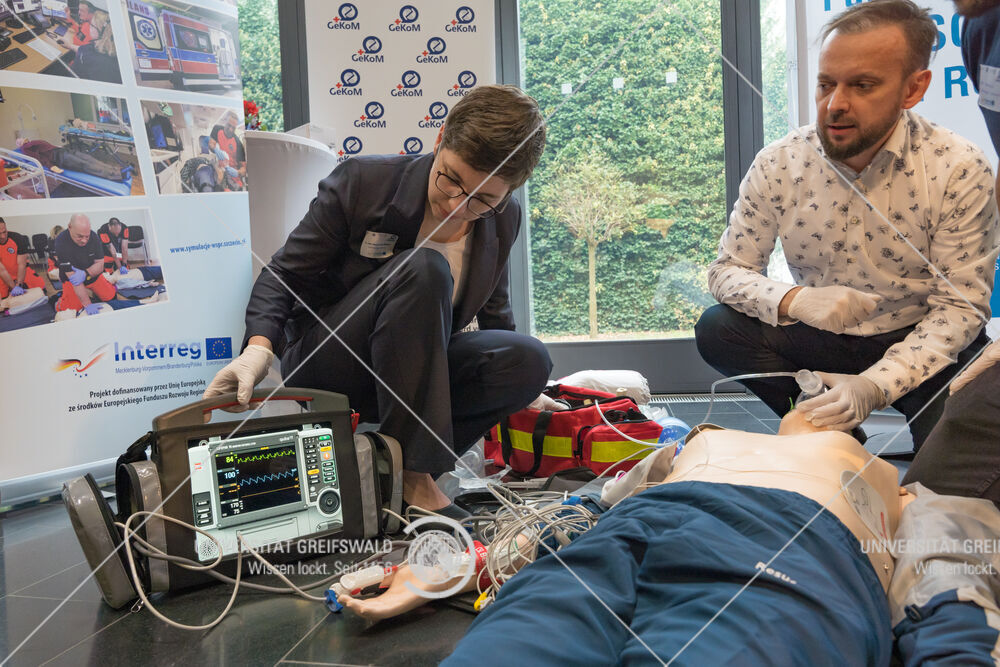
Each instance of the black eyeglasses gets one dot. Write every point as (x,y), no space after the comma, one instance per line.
(452,189)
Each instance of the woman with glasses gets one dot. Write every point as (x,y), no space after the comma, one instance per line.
(395,257)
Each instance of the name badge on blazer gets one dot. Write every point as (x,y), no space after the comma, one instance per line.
(989,87)
(378,245)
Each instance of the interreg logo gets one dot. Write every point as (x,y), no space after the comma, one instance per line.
(372,117)
(346,18)
(351,146)
(214,348)
(464,16)
(408,86)
(370,46)
(81,366)
(349,84)
(434,53)
(407,21)
(435,116)
(466,82)
(412,146)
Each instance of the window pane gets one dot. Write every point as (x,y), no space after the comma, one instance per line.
(776,84)
(628,204)
(260,58)
(774,69)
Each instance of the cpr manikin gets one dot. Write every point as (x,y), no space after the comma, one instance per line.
(801,458)
(804,459)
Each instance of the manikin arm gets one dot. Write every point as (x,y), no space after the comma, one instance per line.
(399,598)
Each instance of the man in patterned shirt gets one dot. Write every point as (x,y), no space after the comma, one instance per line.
(889,226)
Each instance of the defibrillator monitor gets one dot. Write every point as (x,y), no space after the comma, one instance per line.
(266,488)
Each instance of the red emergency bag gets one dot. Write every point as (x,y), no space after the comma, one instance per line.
(538,443)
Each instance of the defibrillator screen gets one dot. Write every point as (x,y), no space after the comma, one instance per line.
(256,479)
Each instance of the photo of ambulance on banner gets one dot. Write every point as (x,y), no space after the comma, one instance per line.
(178,46)
(64,266)
(195,148)
(59,37)
(57,145)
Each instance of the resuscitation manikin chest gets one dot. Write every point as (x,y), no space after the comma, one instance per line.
(280,482)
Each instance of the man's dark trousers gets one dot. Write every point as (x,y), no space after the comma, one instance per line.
(734,344)
(961,456)
(457,384)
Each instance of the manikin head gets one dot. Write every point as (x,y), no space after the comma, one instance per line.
(79,229)
(872,66)
(488,126)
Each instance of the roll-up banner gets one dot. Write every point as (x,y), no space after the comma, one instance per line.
(383,75)
(951,101)
(124,257)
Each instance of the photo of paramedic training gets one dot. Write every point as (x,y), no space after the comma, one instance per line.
(684,350)
(71,38)
(183,47)
(57,145)
(195,148)
(56,267)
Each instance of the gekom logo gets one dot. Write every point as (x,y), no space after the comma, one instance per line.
(372,116)
(346,18)
(351,146)
(370,46)
(466,82)
(412,146)
(349,84)
(408,86)
(434,53)
(407,21)
(463,21)
(435,116)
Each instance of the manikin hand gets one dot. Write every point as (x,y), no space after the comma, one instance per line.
(400,598)
(241,375)
(397,599)
(989,356)
(835,308)
(848,401)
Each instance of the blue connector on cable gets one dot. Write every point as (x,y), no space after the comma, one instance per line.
(331,601)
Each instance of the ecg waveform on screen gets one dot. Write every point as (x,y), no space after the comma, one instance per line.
(270,477)
(262,457)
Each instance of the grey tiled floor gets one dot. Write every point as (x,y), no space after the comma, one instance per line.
(51,613)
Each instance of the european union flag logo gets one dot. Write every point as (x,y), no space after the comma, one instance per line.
(218,348)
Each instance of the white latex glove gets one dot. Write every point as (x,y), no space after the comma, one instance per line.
(241,375)
(544,402)
(835,308)
(848,401)
(989,357)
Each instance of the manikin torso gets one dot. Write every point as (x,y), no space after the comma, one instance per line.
(808,463)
